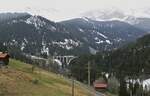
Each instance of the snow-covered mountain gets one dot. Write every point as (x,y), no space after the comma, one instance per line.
(105,35)
(105,15)
(115,14)
(138,18)
(37,35)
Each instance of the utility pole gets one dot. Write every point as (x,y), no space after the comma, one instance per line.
(72,86)
(89,74)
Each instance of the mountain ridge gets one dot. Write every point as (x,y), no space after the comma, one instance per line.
(76,36)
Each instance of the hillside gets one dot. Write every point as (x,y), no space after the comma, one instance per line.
(77,36)
(18,80)
(104,35)
(135,57)
(131,59)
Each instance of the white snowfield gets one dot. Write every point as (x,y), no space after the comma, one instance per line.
(117,14)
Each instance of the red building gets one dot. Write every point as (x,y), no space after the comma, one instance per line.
(4,59)
(100,85)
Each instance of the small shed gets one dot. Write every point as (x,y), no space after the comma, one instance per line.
(4,59)
(100,85)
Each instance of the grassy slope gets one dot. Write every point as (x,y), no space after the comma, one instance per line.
(18,80)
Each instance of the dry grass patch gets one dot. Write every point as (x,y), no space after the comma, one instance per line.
(18,80)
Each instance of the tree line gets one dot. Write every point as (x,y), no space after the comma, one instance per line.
(131,62)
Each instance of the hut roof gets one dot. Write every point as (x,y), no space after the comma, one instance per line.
(3,55)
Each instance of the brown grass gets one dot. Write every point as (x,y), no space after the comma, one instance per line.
(18,80)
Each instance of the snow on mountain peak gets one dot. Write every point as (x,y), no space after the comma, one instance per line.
(35,21)
(129,16)
(104,14)
(86,18)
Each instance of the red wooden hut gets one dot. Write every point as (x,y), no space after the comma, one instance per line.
(100,85)
(4,59)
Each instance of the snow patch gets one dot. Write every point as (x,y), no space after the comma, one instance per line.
(81,30)
(100,34)
(67,44)
(23,46)
(86,19)
(108,41)
(92,50)
(35,21)
(98,41)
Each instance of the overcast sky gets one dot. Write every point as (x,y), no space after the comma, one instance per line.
(61,9)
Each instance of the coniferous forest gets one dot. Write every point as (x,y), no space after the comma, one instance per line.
(131,62)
